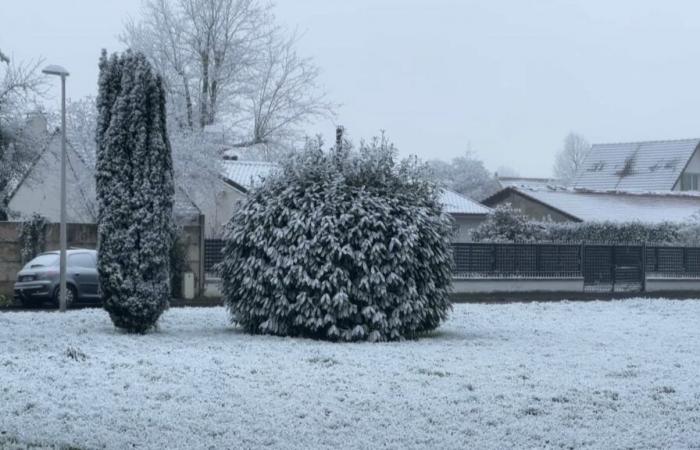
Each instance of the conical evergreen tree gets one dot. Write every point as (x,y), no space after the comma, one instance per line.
(135,191)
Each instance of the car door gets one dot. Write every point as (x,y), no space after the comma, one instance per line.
(82,268)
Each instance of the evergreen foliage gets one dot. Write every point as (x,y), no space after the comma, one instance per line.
(32,237)
(134,181)
(341,245)
(627,232)
(507,224)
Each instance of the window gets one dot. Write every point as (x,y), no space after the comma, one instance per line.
(81,260)
(690,181)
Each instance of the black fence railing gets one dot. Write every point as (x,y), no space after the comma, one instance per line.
(603,267)
(481,260)
(212,253)
(672,262)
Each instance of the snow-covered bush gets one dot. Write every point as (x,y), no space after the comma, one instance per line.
(134,181)
(340,245)
(614,232)
(507,224)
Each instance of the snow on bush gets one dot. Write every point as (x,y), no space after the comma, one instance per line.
(614,232)
(135,190)
(341,245)
(507,224)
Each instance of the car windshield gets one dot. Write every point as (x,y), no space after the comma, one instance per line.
(46,260)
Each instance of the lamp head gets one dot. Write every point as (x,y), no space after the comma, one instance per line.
(55,70)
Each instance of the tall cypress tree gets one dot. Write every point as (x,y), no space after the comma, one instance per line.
(135,191)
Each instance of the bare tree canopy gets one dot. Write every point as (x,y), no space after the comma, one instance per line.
(570,158)
(20,83)
(226,61)
(465,175)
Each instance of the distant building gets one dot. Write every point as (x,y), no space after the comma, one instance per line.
(39,190)
(642,166)
(585,205)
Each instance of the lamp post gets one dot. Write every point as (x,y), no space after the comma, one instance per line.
(63,73)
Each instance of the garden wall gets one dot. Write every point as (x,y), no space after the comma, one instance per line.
(85,236)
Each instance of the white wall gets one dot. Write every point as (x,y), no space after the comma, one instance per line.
(485,286)
(693,167)
(218,207)
(40,192)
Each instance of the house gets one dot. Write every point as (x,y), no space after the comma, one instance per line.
(561,204)
(237,177)
(642,166)
(39,190)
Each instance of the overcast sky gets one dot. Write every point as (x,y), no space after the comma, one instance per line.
(510,78)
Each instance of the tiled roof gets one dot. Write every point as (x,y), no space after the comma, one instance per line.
(616,206)
(455,203)
(247,173)
(636,166)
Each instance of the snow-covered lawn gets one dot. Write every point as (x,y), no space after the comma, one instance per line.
(623,374)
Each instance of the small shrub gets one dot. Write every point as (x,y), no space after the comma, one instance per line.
(507,224)
(341,245)
(5,301)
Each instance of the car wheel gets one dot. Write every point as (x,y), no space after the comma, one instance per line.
(71,296)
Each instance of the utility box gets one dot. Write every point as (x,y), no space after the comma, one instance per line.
(188,286)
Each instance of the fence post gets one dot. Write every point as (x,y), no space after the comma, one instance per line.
(613,263)
(644,266)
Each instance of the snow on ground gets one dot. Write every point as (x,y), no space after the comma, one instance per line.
(622,374)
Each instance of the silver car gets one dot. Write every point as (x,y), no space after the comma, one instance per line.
(38,281)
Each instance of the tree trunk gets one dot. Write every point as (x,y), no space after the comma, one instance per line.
(204,100)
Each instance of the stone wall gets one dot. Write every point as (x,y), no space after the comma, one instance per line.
(83,235)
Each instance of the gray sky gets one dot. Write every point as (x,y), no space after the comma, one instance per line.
(511,78)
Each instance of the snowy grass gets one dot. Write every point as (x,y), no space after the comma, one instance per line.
(621,374)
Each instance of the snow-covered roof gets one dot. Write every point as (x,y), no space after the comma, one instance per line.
(455,203)
(527,182)
(636,166)
(617,206)
(246,174)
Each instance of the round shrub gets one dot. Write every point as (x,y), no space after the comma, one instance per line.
(340,245)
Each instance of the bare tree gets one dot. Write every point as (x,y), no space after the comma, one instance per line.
(570,158)
(227,61)
(19,84)
(285,92)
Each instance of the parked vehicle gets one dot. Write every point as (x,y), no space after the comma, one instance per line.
(38,281)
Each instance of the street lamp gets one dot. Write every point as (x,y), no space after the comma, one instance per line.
(63,73)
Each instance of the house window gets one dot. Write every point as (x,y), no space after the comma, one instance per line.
(689,181)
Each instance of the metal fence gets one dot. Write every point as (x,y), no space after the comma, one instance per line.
(477,260)
(672,262)
(212,253)
(603,267)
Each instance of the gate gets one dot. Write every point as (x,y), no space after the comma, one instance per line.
(212,253)
(613,268)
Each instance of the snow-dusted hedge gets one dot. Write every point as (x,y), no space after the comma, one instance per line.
(341,245)
(507,224)
(614,232)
